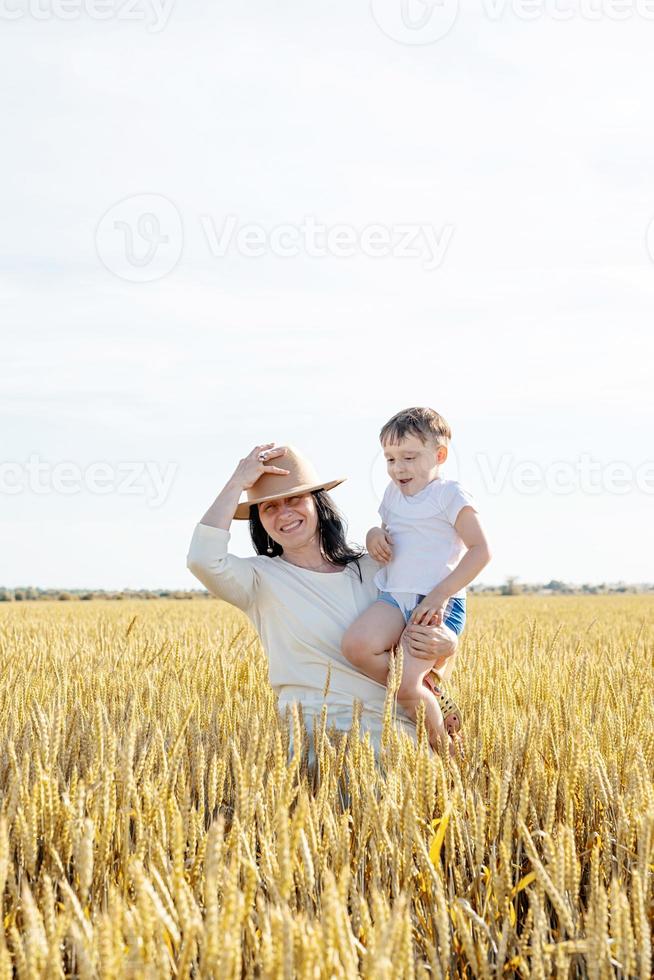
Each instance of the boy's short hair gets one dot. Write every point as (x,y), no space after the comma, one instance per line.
(424,423)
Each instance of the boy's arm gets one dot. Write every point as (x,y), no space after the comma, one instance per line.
(469,529)
(379,544)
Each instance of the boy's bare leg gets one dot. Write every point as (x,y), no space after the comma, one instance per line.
(367,641)
(413,690)
(445,665)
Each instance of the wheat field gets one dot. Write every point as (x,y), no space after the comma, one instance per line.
(150,825)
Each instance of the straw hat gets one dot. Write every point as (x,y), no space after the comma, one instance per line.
(301,478)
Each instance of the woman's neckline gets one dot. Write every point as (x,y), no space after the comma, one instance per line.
(312,570)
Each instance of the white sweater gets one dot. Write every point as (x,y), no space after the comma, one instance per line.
(301,617)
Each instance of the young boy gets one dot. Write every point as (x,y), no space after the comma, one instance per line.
(431,545)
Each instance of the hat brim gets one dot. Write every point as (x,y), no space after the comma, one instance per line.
(242,512)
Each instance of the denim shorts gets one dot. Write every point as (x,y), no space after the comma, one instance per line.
(406,602)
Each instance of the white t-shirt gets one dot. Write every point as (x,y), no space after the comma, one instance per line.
(426,546)
(301,617)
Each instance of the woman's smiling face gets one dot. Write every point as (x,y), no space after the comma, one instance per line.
(291,521)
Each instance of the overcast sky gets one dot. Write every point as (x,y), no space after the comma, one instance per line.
(225,224)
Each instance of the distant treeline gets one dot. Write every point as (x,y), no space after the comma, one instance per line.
(556,587)
(31,594)
(511,587)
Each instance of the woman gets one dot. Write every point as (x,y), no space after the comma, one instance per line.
(303,589)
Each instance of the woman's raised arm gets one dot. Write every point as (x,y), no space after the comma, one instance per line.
(230,578)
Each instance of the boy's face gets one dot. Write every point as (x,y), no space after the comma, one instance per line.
(412,464)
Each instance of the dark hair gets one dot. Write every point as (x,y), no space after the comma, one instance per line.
(331,529)
(424,423)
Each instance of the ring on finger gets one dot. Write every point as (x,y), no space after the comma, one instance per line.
(262,455)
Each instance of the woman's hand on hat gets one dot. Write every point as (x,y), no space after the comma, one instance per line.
(254,465)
